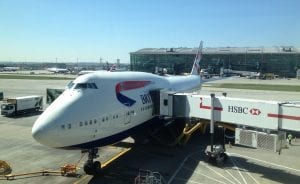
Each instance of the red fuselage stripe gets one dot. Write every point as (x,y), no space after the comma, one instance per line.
(283,116)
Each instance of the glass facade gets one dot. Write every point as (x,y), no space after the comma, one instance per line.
(282,64)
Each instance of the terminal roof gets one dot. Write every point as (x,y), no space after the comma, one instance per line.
(221,50)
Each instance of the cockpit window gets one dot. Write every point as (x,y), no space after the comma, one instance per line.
(81,86)
(92,86)
(70,85)
(85,86)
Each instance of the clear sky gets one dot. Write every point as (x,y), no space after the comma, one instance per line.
(43,30)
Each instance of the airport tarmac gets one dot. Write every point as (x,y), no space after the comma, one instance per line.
(180,164)
(281,96)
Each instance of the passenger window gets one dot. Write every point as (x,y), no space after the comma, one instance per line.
(80,124)
(91,122)
(95,121)
(69,126)
(86,123)
(62,126)
(103,119)
(106,118)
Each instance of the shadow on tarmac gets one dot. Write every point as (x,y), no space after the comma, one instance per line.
(19,116)
(167,159)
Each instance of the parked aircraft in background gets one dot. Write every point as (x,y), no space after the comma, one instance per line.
(83,72)
(113,68)
(102,108)
(10,69)
(58,70)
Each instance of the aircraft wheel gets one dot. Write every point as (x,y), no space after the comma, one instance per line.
(97,167)
(88,168)
(221,159)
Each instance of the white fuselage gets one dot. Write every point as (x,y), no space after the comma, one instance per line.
(101,108)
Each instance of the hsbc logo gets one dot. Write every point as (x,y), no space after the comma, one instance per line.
(255,112)
(238,109)
(244,110)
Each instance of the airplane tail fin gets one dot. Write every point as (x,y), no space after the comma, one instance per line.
(196,66)
(112,68)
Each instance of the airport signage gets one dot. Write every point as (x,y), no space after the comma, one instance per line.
(243,110)
(238,109)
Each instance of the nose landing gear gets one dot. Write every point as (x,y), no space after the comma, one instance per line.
(90,167)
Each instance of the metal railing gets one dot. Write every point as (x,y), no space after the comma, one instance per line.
(149,177)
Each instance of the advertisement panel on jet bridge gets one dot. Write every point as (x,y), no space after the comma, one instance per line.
(246,112)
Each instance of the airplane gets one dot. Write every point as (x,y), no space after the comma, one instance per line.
(58,70)
(113,68)
(10,68)
(83,72)
(102,108)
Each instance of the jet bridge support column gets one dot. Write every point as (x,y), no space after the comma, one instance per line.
(217,152)
(211,131)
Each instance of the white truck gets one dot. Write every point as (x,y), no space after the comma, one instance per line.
(21,105)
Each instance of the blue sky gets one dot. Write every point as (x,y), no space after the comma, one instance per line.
(43,30)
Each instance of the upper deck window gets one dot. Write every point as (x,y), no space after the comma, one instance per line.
(81,86)
(92,85)
(85,86)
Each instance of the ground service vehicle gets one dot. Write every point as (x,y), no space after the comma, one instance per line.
(21,105)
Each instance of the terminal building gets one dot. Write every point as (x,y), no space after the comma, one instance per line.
(283,61)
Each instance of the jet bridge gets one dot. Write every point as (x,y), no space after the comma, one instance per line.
(259,123)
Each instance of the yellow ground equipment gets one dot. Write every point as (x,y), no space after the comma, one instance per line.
(4,168)
(69,170)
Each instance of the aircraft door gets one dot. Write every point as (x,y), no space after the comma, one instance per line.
(58,129)
(127,116)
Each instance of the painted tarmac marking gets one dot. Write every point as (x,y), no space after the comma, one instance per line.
(204,175)
(247,172)
(81,180)
(238,169)
(226,170)
(181,165)
(115,157)
(188,180)
(270,163)
(216,172)
(253,178)
(104,165)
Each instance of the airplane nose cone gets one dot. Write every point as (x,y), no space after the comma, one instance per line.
(35,133)
(47,128)
(43,131)
(39,133)
(45,134)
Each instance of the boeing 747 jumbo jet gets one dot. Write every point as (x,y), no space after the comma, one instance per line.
(102,108)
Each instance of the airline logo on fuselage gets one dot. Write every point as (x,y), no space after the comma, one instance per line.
(128,85)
